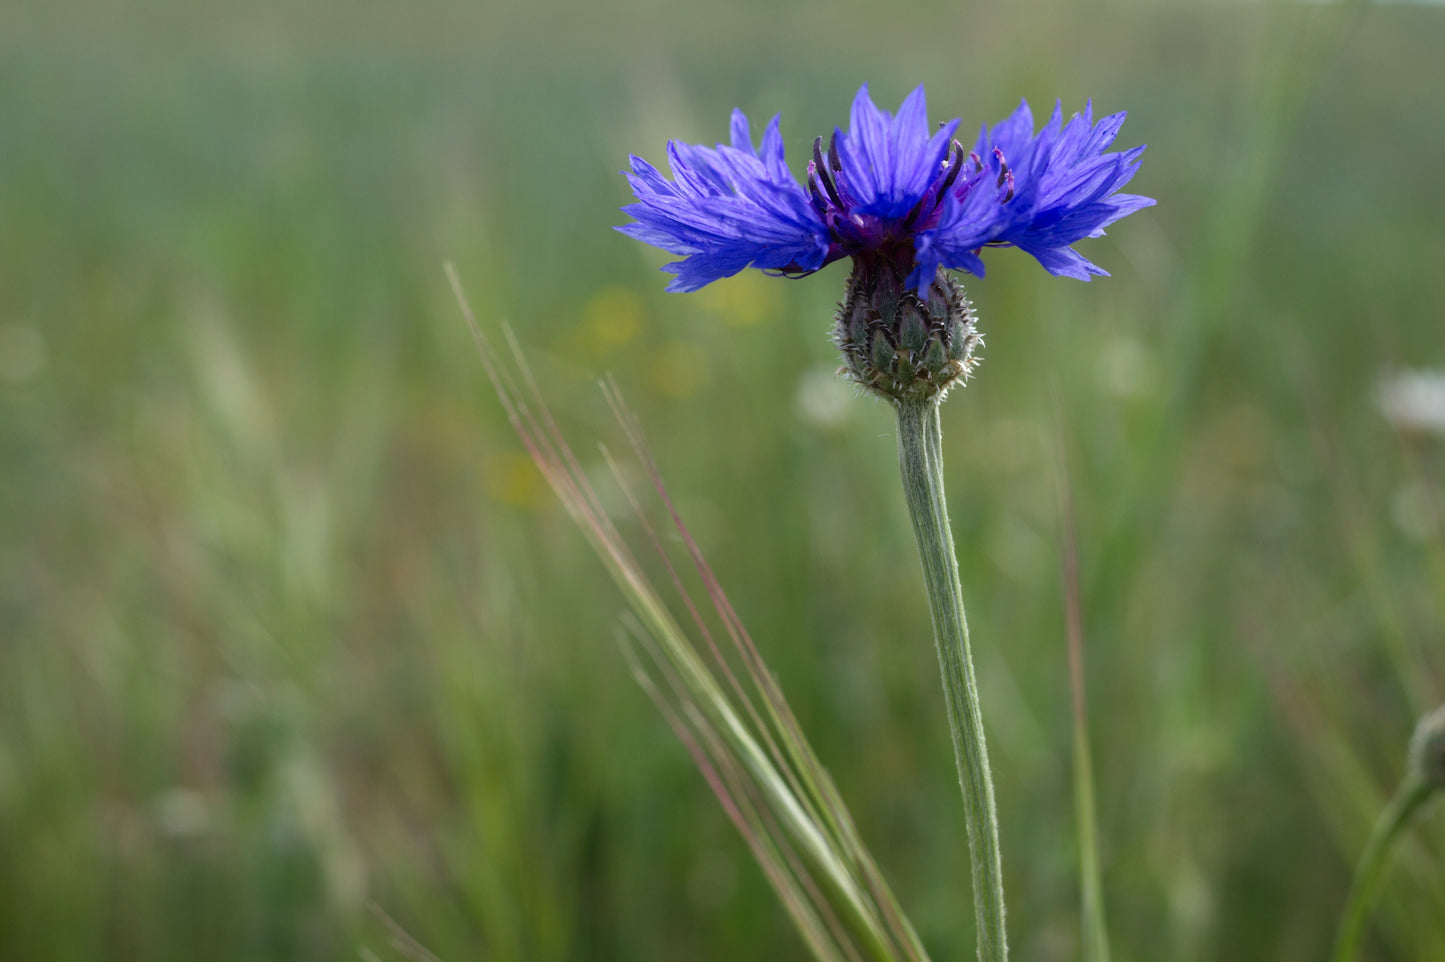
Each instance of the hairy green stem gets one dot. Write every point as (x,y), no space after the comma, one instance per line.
(1413,793)
(920,454)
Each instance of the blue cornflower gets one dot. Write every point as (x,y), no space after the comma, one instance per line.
(906,205)
(888,187)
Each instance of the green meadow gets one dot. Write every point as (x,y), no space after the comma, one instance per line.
(301,659)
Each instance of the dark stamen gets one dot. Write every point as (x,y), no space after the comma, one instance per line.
(949,168)
(917,209)
(833,152)
(817,195)
(817,166)
(1002,166)
(953,164)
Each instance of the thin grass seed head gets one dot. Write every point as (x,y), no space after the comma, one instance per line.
(758,762)
(906,205)
(1427,750)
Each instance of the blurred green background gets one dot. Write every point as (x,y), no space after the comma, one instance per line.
(290,626)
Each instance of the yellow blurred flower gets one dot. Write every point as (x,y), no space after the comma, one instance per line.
(743,300)
(512,478)
(613,316)
(680,370)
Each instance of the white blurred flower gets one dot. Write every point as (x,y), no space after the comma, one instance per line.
(1414,401)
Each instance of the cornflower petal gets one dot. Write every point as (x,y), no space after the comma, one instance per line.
(725,209)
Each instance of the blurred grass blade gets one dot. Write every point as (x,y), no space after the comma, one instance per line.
(1370,873)
(1424,778)
(1095,924)
(816,788)
(724,705)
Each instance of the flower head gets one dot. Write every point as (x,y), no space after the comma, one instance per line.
(906,205)
(887,186)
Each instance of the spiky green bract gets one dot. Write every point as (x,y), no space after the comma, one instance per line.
(899,343)
(920,455)
(743,736)
(1424,776)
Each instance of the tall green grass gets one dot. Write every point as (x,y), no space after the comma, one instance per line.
(289,624)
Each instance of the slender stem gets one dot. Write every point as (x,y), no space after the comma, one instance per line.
(1094,923)
(1096,928)
(920,454)
(1413,792)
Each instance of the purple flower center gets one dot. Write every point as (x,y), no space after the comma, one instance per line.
(853,230)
